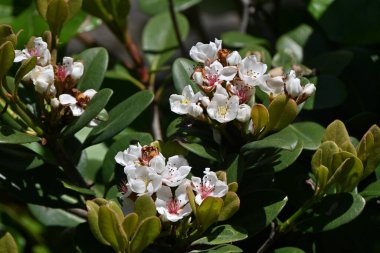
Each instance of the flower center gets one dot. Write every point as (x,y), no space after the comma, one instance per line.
(147,154)
(206,190)
(185,101)
(33,51)
(212,79)
(173,206)
(222,110)
(61,73)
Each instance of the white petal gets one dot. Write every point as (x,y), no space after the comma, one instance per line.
(54,102)
(179,104)
(205,101)
(137,185)
(244,113)
(164,194)
(158,163)
(66,99)
(76,110)
(77,71)
(90,93)
(228,73)
(234,58)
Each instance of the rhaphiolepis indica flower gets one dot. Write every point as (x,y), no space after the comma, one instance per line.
(206,53)
(43,79)
(187,103)
(69,68)
(78,102)
(39,50)
(223,108)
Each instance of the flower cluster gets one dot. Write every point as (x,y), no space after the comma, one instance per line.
(228,82)
(149,173)
(56,84)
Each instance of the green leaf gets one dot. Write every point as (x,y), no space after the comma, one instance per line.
(231,204)
(318,7)
(371,191)
(110,227)
(26,66)
(208,212)
(94,107)
(284,158)
(260,118)
(7,243)
(93,221)
(119,72)
(95,61)
(54,216)
(256,215)
(148,230)
(7,55)
(324,155)
(200,150)
(120,117)
(337,133)
(310,133)
(284,58)
(11,136)
(322,175)
(145,207)
(120,145)
(288,250)
(369,150)
(7,34)
(222,234)
(238,39)
(226,248)
(56,15)
(130,223)
(153,7)
(74,7)
(282,111)
(332,63)
(182,70)
(336,210)
(75,188)
(159,40)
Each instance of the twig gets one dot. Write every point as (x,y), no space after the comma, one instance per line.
(156,125)
(268,243)
(245,17)
(176,28)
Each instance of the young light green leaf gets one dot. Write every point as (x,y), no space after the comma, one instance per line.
(231,204)
(95,61)
(56,15)
(110,227)
(148,230)
(94,107)
(208,212)
(7,243)
(93,221)
(324,155)
(223,234)
(145,207)
(130,223)
(337,133)
(7,55)
(11,136)
(369,150)
(120,117)
(260,118)
(7,34)
(24,69)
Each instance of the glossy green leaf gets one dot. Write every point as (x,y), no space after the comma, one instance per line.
(119,72)
(336,210)
(321,174)
(95,61)
(57,14)
(332,63)
(324,155)
(182,70)
(26,66)
(337,132)
(11,136)
(200,150)
(159,40)
(258,214)
(120,145)
(110,227)
(288,250)
(222,234)
(7,243)
(260,118)
(145,207)
(208,212)
(96,8)
(371,191)
(148,230)
(284,58)
(75,188)
(130,223)
(310,133)
(115,207)
(120,117)
(94,107)
(318,7)
(369,150)
(153,7)
(225,248)
(93,221)
(54,216)
(284,158)
(231,204)
(238,39)
(7,56)
(282,111)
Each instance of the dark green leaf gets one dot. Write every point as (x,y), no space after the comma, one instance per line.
(24,69)
(237,39)
(153,7)
(7,243)
(148,230)
(332,63)
(120,117)
(182,71)
(371,191)
(11,136)
(226,248)
(54,216)
(75,188)
(222,234)
(159,40)
(95,61)
(200,150)
(309,132)
(288,250)
(94,107)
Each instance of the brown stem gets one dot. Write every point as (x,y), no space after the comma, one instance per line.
(133,51)
(176,28)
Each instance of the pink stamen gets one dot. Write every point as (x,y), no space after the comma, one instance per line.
(33,52)
(61,73)
(212,79)
(173,206)
(206,191)
(123,188)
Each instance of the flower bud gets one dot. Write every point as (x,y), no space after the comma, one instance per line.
(234,58)
(244,113)
(54,102)
(198,77)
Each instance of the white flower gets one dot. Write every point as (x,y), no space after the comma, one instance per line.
(234,59)
(180,104)
(293,85)
(77,106)
(205,101)
(206,53)
(308,90)
(143,180)
(175,171)
(222,108)
(273,86)
(39,50)
(173,208)
(129,156)
(74,69)
(43,79)
(198,77)
(251,71)
(195,110)
(244,113)
(216,73)
(210,185)
(243,91)
(54,102)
